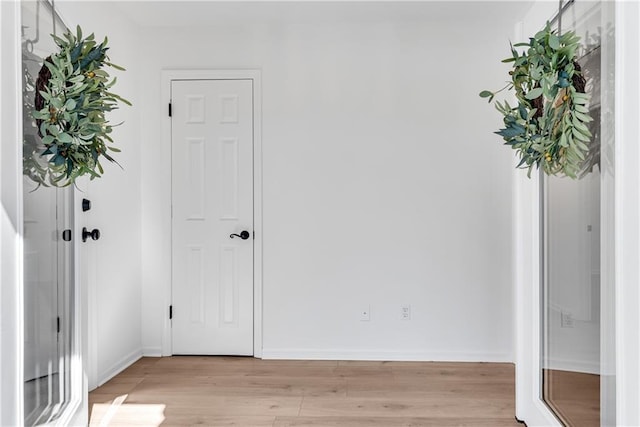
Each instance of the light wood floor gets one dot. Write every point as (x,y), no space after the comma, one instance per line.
(236,391)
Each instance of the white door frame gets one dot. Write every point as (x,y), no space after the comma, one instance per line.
(255,76)
(11,222)
(627,212)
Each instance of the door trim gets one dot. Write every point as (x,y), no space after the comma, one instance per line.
(255,77)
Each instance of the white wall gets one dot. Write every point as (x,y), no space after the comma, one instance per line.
(383,184)
(112,263)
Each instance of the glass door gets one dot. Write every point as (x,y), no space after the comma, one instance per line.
(573,292)
(48,247)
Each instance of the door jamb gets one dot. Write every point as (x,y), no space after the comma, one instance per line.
(255,77)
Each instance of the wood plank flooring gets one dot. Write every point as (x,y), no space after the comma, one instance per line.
(240,391)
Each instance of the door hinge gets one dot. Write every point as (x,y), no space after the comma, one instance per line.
(170,312)
(58,324)
(169,109)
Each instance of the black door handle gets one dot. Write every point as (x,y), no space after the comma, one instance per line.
(94,234)
(244,235)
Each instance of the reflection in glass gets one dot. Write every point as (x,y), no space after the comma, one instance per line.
(572,308)
(572,353)
(47,258)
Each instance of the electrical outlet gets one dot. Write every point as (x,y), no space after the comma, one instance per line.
(365,315)
(566,320)
(405,312)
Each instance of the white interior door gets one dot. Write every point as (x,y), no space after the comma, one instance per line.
(212,199)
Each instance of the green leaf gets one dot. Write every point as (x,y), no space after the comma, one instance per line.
(579,125)
(485,94)
(70,105)
(581,109)
(582,146)
(117,67)
(563,140)
(536,73)
(64,138)
(534,93)
(510,132)
(579,101)
(52,129)
(56,103)
(58,160)
(578,135)
(583,117)
(45,95)
(554,42)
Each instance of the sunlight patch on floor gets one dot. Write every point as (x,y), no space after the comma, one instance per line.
(118,413)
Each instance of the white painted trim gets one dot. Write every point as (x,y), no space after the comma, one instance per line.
(257,214)
(165,152)
(526,273)
(627,213)
(11,217)
(529,405)
(77,411)
(384,355)
(89,274)
(526,260)
(78,414)
(119,366)
(151,351)
(574,366)
(83,356)
(608,224)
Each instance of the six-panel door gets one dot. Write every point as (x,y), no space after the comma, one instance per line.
(212,198)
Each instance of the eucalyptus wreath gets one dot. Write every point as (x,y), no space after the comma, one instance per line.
(71,98)
(548,126)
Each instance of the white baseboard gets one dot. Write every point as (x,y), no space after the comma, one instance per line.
(385,355)
(581,366)
(151,351)
(119,366)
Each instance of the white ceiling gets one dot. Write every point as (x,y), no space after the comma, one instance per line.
(163,13)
